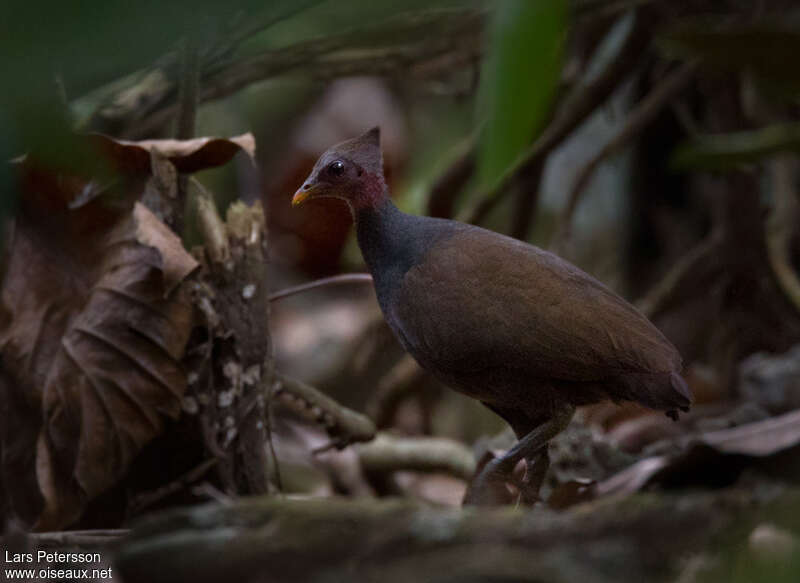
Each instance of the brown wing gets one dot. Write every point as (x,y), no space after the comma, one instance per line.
(480,300)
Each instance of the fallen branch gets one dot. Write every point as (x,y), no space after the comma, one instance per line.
(325,281)
(392,541)
(387,453)
(343,425)
(577,107)
(637,120)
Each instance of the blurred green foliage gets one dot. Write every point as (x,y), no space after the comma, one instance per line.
(53,52)
(731,151)
(766,49)
(329,17)
(518,81)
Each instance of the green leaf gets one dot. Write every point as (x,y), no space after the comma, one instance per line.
(518,81)
(728,151)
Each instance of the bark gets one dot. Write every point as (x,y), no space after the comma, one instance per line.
(233,366)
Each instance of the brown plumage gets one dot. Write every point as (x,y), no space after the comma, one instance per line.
(523,331)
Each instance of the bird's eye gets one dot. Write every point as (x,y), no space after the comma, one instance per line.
(336,168)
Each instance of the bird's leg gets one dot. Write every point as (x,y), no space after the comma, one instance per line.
(535,472)
(485,486)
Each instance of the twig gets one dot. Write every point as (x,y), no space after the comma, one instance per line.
(213,493)
(276,471)
(392,48)
(387,453)
(780,226)
(638,119)
(189,90)
(396,385)
(147,499)
(243,31)
(188,97)
(344,425)
(577,107)
(526,201)
(445,190)
(603,8)
(690,271)
(325,281)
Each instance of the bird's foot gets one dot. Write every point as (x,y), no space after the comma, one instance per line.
(500,481)
(489,487)
(530,483)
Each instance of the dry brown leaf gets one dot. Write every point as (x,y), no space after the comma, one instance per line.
(758,439)
(722,453)
(97,326)
(93,318)
(187,155)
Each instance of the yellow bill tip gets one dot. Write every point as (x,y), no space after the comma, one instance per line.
(300,196)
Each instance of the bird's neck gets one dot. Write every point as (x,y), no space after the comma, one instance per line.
(372,193)
(378,228)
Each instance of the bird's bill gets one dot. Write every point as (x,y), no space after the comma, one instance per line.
(302,194)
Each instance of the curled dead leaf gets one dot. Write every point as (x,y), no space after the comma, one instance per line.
(97,323)
(186,155)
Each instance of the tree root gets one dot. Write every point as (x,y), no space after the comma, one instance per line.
(343,425)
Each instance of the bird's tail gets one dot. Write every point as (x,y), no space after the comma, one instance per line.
(662,392)
(682,393)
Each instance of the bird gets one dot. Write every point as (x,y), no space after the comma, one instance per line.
(526,333)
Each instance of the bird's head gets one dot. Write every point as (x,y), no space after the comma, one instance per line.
(351,170)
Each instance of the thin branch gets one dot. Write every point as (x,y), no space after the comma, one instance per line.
(637,120)
(188,91)
(147,499)
(188,99)
(526,200)
(268,417)
(451,182)
(242,31)
(690,272)
(781,224)
(344,425)
(393,48)
(576,108)
(324,282)
(206,489)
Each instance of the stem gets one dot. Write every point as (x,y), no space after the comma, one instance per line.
(780,227)
(325,281)
(188,98)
